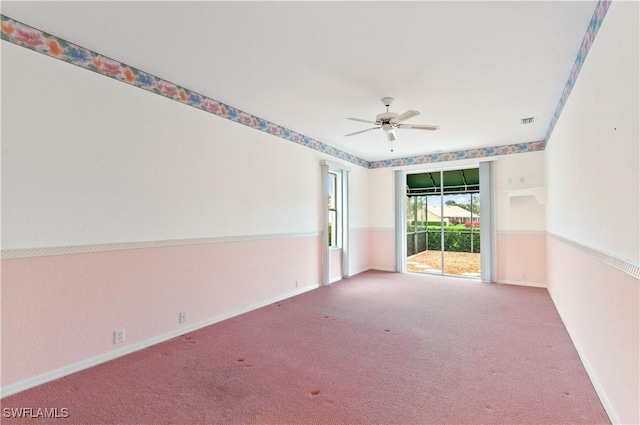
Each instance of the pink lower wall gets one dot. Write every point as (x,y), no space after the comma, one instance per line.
(382,249)
(335,264)
(521,258)
(60,310)
(599,305)
(359,246)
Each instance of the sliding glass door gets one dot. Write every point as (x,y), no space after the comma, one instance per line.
(443,222)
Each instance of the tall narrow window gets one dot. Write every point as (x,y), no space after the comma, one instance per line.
(335,221)
(332,186)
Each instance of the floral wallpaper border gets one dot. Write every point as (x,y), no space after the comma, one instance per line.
(34,39)
(587,41)
(466,154)
(50,45)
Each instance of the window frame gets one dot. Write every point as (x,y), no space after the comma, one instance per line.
(342,217)
(334,233)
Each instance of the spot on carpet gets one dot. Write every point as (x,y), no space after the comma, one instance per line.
(315,392)
(239,360)
(387,330)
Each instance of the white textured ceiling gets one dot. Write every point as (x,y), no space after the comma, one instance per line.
(473,68)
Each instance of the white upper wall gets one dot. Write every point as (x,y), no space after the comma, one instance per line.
(593,155)
(358,197)
(381,198)
(513,173)
(87,160)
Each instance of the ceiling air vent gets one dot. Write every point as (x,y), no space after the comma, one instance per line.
(529,120)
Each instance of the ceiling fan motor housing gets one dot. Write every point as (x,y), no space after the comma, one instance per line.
(385,117)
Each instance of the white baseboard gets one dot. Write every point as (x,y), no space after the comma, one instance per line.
(590,372)
(353,272)
(366,269)
(383,269)
(522,283)
(34,381)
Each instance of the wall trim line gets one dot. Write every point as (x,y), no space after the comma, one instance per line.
(622,264)
(8,254)
(381,229)
(521,232)
(43,378)
(372,229)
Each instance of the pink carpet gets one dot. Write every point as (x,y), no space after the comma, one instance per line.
(379,348)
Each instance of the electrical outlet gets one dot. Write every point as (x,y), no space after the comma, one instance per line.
(523,276)
(118,336)
(296,283)
(510,180)
(183,317)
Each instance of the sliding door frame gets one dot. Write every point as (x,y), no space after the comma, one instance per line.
(487,232)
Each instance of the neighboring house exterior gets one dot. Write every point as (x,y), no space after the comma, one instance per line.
(450,212)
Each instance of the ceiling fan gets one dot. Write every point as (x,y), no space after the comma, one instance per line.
(389,121)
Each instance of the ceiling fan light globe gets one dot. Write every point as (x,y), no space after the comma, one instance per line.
(391,134)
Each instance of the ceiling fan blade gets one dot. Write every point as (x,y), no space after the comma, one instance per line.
(361,131)
(361,120)
(418,126)
(402,117)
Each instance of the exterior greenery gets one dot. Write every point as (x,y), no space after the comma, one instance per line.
(456,239)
